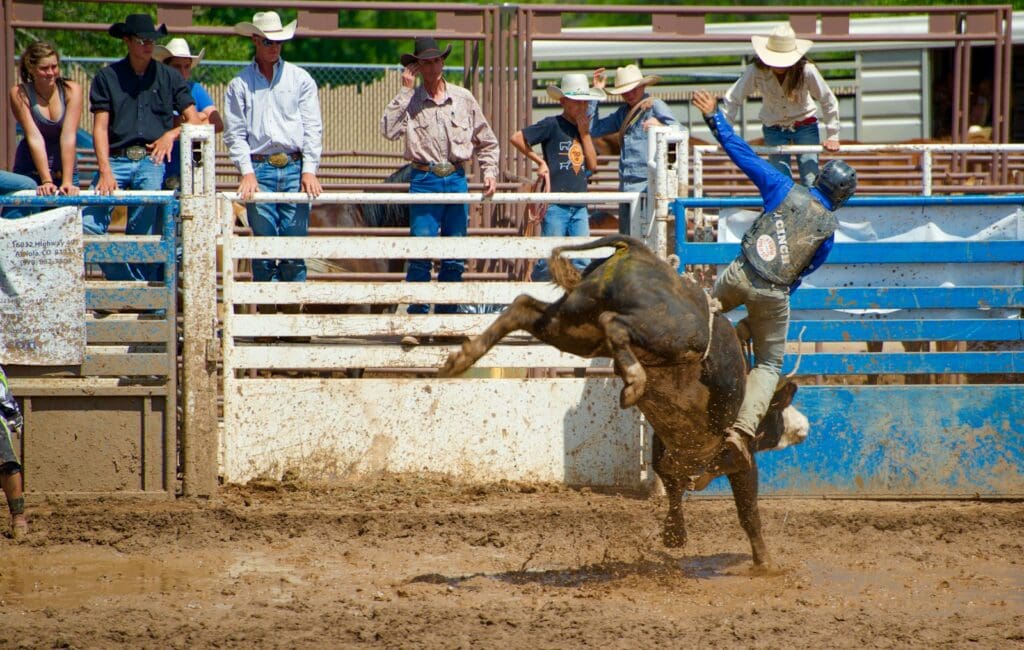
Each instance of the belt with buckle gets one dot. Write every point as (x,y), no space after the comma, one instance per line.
(805,122)
(440,169)
(134,153)
(280,159)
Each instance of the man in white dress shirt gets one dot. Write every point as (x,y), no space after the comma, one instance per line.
(273,131)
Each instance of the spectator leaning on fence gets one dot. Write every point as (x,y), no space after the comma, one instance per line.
(789,240)
(273,132)
(789,84)
(10,468)
(569,159)
(133,103)
(178,55)
(48,108)
(444,129)
(630,121)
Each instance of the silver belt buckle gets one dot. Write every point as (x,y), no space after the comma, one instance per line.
(135,153)
(442,169)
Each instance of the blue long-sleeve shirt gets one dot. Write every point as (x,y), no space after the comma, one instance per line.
(633,157)
(771,182)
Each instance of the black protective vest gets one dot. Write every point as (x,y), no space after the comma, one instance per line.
(780,244)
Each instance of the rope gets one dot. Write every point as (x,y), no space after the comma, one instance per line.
(713,307)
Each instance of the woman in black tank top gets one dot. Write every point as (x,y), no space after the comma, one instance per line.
(48,108)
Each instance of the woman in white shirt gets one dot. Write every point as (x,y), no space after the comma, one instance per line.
(789,85)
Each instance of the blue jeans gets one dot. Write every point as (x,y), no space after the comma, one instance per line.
(768,318)
(11,182)
(562,221)
(450,219)
(278,220)
(775,136)
(628,185)
(142,219)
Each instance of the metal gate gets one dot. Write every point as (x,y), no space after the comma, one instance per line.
(946,440)
(108,425)
(495,424)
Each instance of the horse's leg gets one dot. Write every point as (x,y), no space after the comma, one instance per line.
(524,314)
(744,493)
(673,532)
(627,365)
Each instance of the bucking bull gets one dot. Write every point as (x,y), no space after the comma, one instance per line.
(679,358)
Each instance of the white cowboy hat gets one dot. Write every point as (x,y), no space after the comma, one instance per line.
(575,86)
(629,77)
(177,48)
(268,25)
(780,48)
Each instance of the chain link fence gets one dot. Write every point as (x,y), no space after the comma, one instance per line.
(352,100)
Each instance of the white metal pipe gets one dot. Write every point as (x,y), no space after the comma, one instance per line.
(429,198)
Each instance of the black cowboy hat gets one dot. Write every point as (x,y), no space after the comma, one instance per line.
(425,48)
(138,25)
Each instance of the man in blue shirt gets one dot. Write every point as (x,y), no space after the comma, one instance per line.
(630,121)
(789,240)
(177,55)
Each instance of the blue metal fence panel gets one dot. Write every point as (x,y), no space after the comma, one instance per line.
(901,440)
(911,440)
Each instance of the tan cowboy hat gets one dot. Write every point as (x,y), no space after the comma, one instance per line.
(780,48)
(177,48)
(268,25)
(629,77)
(575,86)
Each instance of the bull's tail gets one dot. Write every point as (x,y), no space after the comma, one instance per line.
(566,275)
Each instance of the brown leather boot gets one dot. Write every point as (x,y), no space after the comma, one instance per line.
(736,441)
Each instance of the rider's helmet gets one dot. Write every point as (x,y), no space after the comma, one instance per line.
(837,181)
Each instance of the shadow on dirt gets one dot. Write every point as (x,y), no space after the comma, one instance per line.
(702,568)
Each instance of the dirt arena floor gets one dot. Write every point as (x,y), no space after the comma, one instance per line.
(405,562)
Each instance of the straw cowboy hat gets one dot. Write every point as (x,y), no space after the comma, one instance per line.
(177,48)
(628,78)
(268,25)
(138,25)
(780,48)
(425,47)
(575,86)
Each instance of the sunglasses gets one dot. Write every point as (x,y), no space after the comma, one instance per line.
(143,41)
(267,42)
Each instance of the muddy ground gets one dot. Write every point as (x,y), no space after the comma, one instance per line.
(410,562)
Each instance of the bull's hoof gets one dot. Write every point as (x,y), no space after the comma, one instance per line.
(630,395)
(454,366)
(673,536)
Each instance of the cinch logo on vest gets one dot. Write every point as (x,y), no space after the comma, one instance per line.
(780,231)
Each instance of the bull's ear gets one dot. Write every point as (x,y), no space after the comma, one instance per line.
(784,394)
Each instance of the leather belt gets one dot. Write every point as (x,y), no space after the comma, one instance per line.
(805,122)
(440,169)
(280,159)
(134,152)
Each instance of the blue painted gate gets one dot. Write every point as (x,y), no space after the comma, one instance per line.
(901,440)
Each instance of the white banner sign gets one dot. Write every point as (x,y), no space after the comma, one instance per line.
(42,289)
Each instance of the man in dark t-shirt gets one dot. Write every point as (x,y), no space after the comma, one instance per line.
(133,102)
(569,159)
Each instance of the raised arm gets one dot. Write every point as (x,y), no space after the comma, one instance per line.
(771,183)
